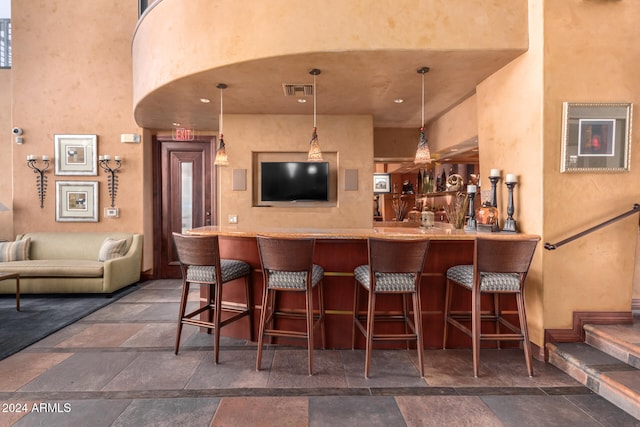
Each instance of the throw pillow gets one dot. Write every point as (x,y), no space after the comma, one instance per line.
(15,251)
(111,249)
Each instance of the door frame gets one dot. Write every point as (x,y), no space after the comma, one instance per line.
(158,200)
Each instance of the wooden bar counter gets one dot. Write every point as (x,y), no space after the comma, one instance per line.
(339,251)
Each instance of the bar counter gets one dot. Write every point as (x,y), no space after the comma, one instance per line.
(339,251)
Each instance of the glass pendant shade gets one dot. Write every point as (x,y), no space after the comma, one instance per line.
(423,155)
(221,154)
(315,153)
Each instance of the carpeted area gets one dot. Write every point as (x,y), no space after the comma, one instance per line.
(42,315)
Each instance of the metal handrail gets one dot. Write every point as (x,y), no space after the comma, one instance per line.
(552,246)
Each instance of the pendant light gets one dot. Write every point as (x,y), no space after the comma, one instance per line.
(221,154)
(315,154)
(422,153)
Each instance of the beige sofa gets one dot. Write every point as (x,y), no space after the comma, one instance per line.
(67,262)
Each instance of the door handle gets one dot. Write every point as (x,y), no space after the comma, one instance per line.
(207,221)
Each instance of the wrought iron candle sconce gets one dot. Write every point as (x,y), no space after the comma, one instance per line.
(112,184)
(41,178)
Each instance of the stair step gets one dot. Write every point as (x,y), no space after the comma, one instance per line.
(614,380)
(619,341)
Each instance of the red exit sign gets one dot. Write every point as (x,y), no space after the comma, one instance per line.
(183,134)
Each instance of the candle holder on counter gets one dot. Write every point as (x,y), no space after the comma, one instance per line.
(494,178)
(41,178)
(472,224)
(510,223)
(112,183)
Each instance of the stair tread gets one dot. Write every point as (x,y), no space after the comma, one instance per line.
(592,357)
(623,333)
(620,341)
(606,375)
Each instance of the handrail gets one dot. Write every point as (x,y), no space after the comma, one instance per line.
(552,246)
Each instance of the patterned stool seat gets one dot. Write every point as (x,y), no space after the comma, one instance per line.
(489,282)
(231,269)
(294,279)
(386,282)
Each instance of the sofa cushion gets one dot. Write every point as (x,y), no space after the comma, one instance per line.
(112,248)
(15,251)
(54,268)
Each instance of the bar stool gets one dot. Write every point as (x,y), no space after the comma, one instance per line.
(500,266)
(200,264)
(287,266)
(395,267)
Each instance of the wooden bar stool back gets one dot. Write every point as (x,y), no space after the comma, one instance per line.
(500,266)
(200,264)
(395,267)
(287,266)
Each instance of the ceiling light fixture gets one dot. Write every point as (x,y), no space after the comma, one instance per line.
(221,154)
(315,154)
(422,153)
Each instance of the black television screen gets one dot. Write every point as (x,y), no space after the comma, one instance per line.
(294,181)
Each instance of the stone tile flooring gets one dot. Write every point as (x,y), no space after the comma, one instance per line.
(116,367)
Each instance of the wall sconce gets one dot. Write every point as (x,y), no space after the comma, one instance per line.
(112,184)
(41,179)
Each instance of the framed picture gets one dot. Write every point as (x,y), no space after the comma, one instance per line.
(596,137)
(77,201)
(76,154)
(381,183)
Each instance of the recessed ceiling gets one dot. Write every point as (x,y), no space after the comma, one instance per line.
(351,83)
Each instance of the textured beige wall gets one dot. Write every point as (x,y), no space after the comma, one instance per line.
(72,74)
(351,137)
(510,139)
(458,125)
(595,272)
(6,152)
(225,32)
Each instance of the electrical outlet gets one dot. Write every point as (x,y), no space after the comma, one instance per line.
(233,219)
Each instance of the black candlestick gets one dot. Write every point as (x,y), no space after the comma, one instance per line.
(41,178)
(472,224)
(510,223)
(494,199)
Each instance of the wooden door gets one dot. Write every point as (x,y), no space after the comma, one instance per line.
(183,196)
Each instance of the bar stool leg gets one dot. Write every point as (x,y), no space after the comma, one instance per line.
(183,307)
(417,316)
(497,310)
(522,315)
(217,315)
(309,295)
(447,308)
(249,294)
(356,297)
(370,322)
(476,330)
(321,311)
(263,320)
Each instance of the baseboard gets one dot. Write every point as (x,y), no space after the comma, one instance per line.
(580,318)
(537,352)
(146,275)
(635,304)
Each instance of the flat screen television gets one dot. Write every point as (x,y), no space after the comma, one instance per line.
(294,181)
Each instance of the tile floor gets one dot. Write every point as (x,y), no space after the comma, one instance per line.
(116,367)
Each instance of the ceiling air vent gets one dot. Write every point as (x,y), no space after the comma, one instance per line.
(297,89)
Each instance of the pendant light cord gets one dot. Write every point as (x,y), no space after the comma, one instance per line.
(221,115)
(314,101)
(422,100)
